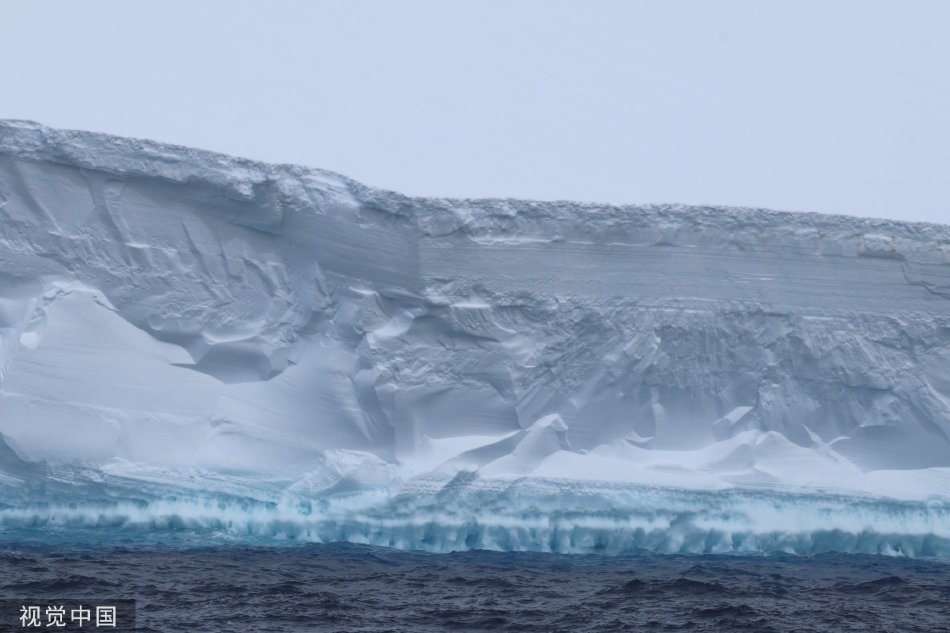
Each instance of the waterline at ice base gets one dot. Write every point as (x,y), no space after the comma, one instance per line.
(210,349)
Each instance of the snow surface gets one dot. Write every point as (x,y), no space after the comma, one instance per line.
(193,339)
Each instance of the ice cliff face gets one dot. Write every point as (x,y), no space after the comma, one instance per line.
(207,323)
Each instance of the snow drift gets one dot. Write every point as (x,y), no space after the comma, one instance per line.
(197,340)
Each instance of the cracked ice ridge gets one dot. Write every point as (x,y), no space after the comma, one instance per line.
(190,339)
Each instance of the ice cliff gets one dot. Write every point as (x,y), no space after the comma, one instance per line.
(192,339)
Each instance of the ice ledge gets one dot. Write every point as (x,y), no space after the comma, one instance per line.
(513,515)
(247,180)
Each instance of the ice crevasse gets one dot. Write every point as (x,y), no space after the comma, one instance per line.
(195,342)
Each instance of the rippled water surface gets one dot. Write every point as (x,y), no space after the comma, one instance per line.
(361,588)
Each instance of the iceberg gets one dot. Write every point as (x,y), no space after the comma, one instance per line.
(242,350)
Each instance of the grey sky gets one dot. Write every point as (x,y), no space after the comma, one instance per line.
(822,106)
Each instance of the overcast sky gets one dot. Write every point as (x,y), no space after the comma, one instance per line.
(830,106)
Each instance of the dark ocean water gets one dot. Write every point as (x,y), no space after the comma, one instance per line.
(359,588)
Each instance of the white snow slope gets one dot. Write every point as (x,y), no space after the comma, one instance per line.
(192,339)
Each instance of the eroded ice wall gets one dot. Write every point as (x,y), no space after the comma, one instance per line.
(163,305)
